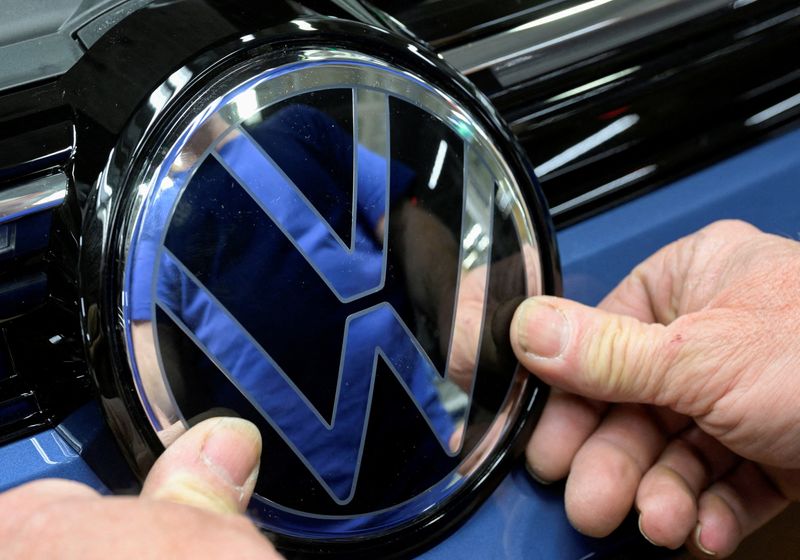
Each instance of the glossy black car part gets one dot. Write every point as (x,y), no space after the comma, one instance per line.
(613,99)
(107,219)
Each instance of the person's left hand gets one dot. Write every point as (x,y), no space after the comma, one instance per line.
(191,507)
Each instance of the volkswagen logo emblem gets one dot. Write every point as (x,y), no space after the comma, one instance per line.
(332,247)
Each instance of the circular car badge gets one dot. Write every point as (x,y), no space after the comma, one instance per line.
(330,246)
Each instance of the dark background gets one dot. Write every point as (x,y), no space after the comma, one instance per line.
(778,540)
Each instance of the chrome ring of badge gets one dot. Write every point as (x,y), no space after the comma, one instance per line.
(331,247)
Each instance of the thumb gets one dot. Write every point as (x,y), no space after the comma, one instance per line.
(213,466)
(591,352)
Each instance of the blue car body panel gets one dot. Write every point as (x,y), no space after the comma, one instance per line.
(523,519)
(45,455)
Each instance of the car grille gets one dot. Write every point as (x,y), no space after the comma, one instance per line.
(41,376)
(603,122)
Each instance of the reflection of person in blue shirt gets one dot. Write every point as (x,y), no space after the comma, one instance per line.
(226,271)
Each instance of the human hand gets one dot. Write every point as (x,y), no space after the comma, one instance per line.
(704,336)
(190,507)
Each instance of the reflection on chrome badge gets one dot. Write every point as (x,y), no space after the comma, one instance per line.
(332,249)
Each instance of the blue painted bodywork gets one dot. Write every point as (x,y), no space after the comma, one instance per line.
(45,455)
(523,519)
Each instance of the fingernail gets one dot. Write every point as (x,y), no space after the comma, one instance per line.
(542,330)
(648,539)
(535,476)
(232,450)
(698,543)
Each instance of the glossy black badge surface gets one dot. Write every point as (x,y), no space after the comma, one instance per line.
(327,241)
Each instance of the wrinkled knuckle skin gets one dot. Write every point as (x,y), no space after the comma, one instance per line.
(608,355)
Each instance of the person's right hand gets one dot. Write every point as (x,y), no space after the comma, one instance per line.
(699,350)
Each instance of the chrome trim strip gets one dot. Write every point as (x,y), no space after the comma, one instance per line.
(572,34)
(33,196)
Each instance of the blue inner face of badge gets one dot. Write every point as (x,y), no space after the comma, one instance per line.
(325,271)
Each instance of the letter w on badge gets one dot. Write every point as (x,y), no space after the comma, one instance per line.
(377,332)
(350,272)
